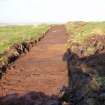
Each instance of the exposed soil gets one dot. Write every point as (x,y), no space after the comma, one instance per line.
(42,69)
(48,69)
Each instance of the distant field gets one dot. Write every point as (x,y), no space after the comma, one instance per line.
(17,34)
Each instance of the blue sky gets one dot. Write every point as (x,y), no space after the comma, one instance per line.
(32,11)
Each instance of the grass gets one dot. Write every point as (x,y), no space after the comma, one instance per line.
(82,30)
(17,34)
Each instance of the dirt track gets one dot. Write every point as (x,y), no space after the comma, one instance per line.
(42,69)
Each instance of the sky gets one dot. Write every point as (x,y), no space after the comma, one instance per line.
(59,11)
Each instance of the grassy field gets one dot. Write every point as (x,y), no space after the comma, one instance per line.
(17,34)
(82,32)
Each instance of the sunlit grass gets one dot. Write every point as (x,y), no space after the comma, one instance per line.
(17,34)
(80,31)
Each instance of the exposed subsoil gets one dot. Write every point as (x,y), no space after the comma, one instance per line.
(50,74)
(41,70)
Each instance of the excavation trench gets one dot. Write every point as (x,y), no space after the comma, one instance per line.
(41,70)
(38,77)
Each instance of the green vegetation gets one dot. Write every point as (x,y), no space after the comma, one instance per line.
(100,80)
(17,34)
(80,31)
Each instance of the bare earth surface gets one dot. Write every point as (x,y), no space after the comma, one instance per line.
(42,69)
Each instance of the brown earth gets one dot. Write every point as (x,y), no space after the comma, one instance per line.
(42,69)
